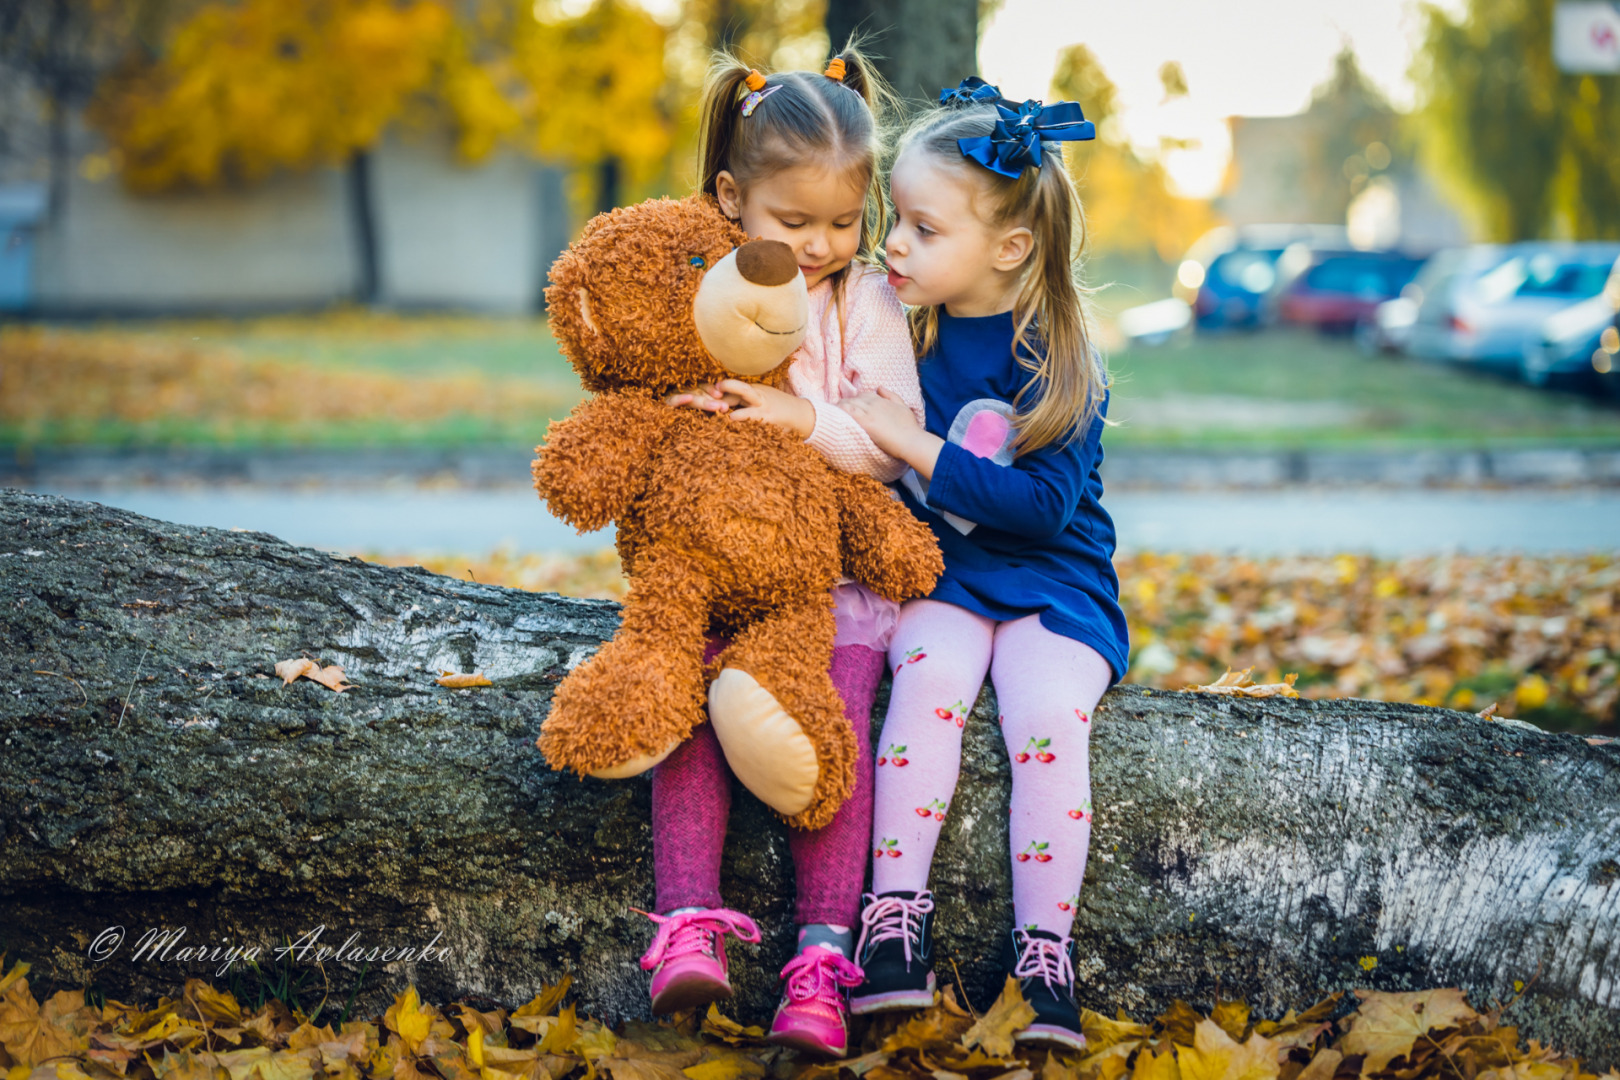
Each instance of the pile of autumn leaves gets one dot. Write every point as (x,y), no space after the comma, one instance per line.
(1537,635)
(68,385)
(208,1035)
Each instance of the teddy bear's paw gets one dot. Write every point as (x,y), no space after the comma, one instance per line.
(635,766)
(766,748)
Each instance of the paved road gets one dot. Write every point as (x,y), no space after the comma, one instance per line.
(1282,521)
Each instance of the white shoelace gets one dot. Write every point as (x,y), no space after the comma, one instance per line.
(1046,959)
(889,917)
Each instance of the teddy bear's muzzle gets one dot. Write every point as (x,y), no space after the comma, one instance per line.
(752,308)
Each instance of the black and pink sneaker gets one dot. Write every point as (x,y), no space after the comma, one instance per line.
(1043,964)
(896,951)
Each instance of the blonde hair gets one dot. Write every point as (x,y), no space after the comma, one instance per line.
(805,118)
(1050,340)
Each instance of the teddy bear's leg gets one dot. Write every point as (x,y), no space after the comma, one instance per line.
(779,720)
(625,709)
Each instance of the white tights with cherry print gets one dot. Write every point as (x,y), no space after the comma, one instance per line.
(1047,686)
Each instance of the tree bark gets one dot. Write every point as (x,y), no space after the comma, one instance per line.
(920,45)
(363,215)
(158,776)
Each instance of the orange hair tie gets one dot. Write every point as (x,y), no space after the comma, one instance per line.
(755,80)
(835,69)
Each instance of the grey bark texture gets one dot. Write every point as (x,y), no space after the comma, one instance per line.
(919,45)
(156,775)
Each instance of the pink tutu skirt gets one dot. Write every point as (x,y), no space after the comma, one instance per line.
(863,617)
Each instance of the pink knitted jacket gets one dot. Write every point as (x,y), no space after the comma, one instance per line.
(874,351)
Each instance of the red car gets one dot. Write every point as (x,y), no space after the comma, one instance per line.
(1342,288)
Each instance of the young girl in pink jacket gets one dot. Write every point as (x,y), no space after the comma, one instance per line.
(793,157)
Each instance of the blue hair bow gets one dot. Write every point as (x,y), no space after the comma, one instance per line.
(1015,142)
(972,91)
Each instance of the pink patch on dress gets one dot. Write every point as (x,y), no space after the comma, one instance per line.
(986,433)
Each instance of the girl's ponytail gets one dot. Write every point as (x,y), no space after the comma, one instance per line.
(718,118)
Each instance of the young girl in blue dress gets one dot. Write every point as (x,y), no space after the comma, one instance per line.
(983,250)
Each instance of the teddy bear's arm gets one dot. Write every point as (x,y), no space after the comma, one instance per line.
(593,464)
(885,548)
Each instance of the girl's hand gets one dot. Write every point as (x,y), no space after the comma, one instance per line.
(703,396)
(795,414)
(891,425)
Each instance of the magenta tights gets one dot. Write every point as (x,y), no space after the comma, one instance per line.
(691,800)
(1047,686)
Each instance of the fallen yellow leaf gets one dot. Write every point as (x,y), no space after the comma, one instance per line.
(1238,684)
(330,677)
(994,1030)
(1386,1025)
(462,682)
(1215,1056)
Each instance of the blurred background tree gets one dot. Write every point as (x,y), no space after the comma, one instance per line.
(1529,149)
(919,45)
(1353,134)
(1132,214)
(55,52)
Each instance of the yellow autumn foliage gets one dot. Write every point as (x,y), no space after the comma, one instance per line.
(242,89)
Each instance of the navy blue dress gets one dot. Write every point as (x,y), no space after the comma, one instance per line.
(1021,536)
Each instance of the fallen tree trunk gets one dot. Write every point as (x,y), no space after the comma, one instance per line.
(158,778)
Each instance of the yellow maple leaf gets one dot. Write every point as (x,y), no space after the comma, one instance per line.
(462,682)
(1232,1017)
(724,1028)
(994,1030)
(407,1019)
(1322,1066)
(1387,1024)
(1178,1022)
(214,1006)
(242,1063)
(1101,1032)
(32,1033)
(19,970)
(1160,1067)
(547,999)
(726,1065)
(1214,1055)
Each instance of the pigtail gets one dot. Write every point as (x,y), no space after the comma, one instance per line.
(718,119)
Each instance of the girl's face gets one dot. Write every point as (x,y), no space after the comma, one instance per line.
(814,210)
(941,250)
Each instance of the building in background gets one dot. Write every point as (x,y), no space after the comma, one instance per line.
(1341,161)
(448,236)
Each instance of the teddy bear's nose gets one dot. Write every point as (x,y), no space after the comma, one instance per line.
(767,262)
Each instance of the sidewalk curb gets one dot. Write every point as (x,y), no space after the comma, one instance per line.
(476,467)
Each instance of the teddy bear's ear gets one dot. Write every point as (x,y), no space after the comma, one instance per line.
(568,310)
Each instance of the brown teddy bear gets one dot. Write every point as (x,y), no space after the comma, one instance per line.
(729,527)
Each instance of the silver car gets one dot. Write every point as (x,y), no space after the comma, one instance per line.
(1500,314)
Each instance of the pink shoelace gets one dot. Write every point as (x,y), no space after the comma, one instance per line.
(816,974)
(694,932)
(889,917)
(1047,960)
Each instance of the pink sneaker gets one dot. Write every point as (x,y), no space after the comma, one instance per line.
(813,1017)
(688,956)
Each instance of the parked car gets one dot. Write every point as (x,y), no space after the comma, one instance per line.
(1229,273)
(1434,293)
(1577,346)
(1342,288)
(1500,314)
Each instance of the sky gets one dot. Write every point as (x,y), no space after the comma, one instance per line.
(1241,58)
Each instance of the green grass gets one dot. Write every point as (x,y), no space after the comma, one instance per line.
(1286,389)
(502,348)
(1276,390)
